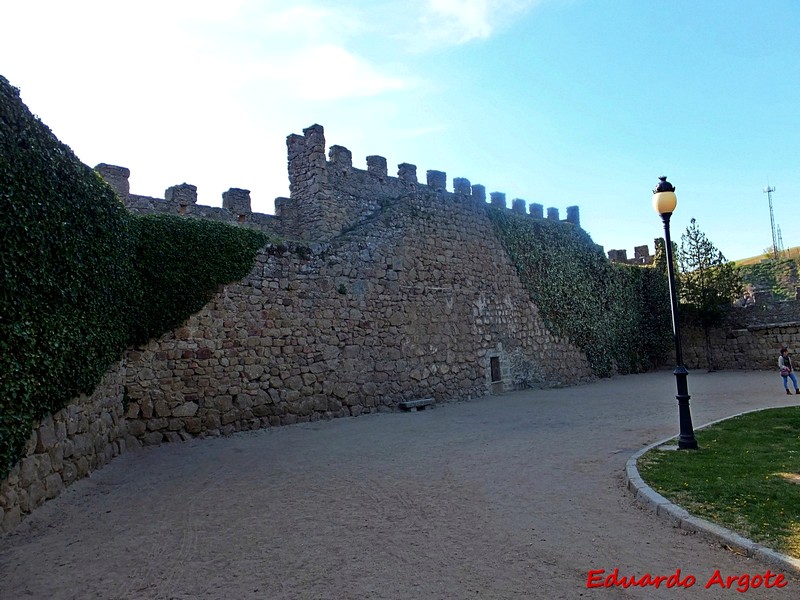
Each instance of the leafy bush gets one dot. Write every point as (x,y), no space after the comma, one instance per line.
(619,315)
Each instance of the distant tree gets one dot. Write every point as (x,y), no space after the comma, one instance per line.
(708,282)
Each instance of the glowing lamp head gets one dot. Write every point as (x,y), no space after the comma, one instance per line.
(664,198)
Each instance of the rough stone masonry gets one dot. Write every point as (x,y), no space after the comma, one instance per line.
(392,290)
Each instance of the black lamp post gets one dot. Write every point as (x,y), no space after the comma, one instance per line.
(664,202)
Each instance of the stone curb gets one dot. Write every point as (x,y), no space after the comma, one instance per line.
(678,517)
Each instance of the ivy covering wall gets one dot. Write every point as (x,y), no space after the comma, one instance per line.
(180,263)
(619,315)
(81,277)
(777,276)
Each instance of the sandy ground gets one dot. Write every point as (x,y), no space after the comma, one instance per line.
(514,496)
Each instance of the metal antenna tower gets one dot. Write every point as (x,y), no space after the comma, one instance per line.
(780,241)
(768,191)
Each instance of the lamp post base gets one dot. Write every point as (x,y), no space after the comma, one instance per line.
(686,439)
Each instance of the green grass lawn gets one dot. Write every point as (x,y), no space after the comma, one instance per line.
(745,476)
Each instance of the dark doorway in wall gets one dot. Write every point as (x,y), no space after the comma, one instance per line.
(494,365)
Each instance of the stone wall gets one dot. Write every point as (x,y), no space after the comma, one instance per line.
(764,312)
(400,291)
(641,254)
(414,303)
(330,196)
(65,447)
(751,337)
(182,200)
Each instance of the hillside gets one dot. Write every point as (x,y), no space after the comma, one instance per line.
(761,273)
(793,253)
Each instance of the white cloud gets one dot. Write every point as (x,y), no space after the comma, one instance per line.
(325,72)
(205,91)
(299,24)
(448,22)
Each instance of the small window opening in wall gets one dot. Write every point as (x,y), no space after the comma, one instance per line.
(494,364)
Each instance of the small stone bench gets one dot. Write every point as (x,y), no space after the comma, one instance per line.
(420,404)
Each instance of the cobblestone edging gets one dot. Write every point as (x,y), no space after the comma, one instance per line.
(682,519)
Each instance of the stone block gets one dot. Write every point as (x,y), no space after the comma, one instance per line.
(153,438)
(437,180)
(377,166)
(193,424)
(69,473)
(237,201)
(183,194)
(56,457)
(187,409)
(61,431)
(36,495)
(116,177)
(13,475)
(12,518)
(574,216)
(157,424)
(28,471)
(212,420)
(161,409)
(8,497)
(45,435)
(136,428)
(407,172)
(53,485)
(24,501)
(462,186)
(133,411)
(146,407)
(479,194)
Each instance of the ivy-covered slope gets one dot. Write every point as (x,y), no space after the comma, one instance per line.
(180,263)
(81,277)
(619,315)
(66,268)
(778,276)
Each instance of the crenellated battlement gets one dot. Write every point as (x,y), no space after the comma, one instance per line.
(641,254)
(182,200)
(327,195)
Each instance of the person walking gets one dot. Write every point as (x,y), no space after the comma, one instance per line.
(787,371)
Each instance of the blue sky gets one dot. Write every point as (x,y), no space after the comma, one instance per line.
(560,102)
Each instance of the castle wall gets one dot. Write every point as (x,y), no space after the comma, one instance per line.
(641,254)
(412,304)
(329,196)
(400,291)
(751,337)
(65,447)
(181,200)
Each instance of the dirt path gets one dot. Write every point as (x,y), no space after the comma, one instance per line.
(516,496)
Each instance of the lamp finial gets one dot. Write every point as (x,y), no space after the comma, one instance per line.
(663,185)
